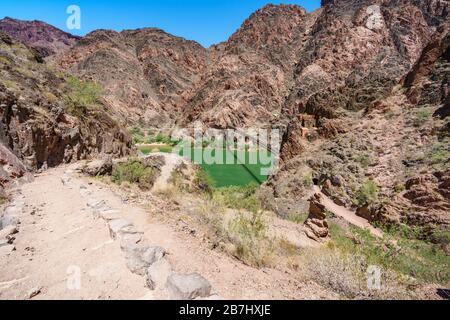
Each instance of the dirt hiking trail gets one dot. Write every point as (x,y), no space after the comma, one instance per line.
(346,214)
(67,247)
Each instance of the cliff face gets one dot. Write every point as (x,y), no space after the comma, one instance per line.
(357,52)
(48,118)
(250,74)
(372,90)
(283,62)
(46,39)
(144,72)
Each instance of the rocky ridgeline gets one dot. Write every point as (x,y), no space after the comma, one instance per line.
(250,74)
(158,68)
(44,38)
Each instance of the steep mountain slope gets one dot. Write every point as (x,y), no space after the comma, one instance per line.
(373,143)
(358,51)
(250,74)
(48,118)
(143,71)
(46,39)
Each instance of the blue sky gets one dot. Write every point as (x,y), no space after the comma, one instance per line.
(205,21)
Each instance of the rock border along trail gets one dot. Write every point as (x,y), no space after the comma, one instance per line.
(144,259)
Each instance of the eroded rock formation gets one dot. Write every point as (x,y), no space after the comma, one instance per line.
(144,72)
(38,122)
(316,226)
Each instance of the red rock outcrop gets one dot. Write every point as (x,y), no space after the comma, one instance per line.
(316,226)
(144,72)
(249,76)
(371,139)
(39,122)
(46,39)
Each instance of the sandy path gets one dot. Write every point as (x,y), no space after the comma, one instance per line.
(346,214)
(59,235)
(58,238)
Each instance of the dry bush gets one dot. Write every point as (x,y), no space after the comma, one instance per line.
(170,193)
(241,234)
(248,234)
(346,274)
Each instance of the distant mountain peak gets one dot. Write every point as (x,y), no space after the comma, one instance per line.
(46,39)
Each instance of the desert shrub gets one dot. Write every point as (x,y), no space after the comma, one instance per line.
(439,154)
(178,180)
(367,193)
(408,257)
(398,188)
(307,178)
(3,199)
(421,117)
(5,60)
(239,197)
(81,96)
(342,273)
(364,160)
(248,236)
(348,274)
(134,171)
(212,215)
(137,134)
(161,138)
(84,92)
(298,218)
(242,235)
(50,96)
(170,193)
(10,85)
(203,181)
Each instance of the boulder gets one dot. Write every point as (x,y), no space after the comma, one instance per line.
(6,249)
(316,226)
(188,286)
(110,214)
(10,219)
(11,167)
(116,225)
(142,257)
(96,204)
(158,273)
(130,241)
(98,167)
